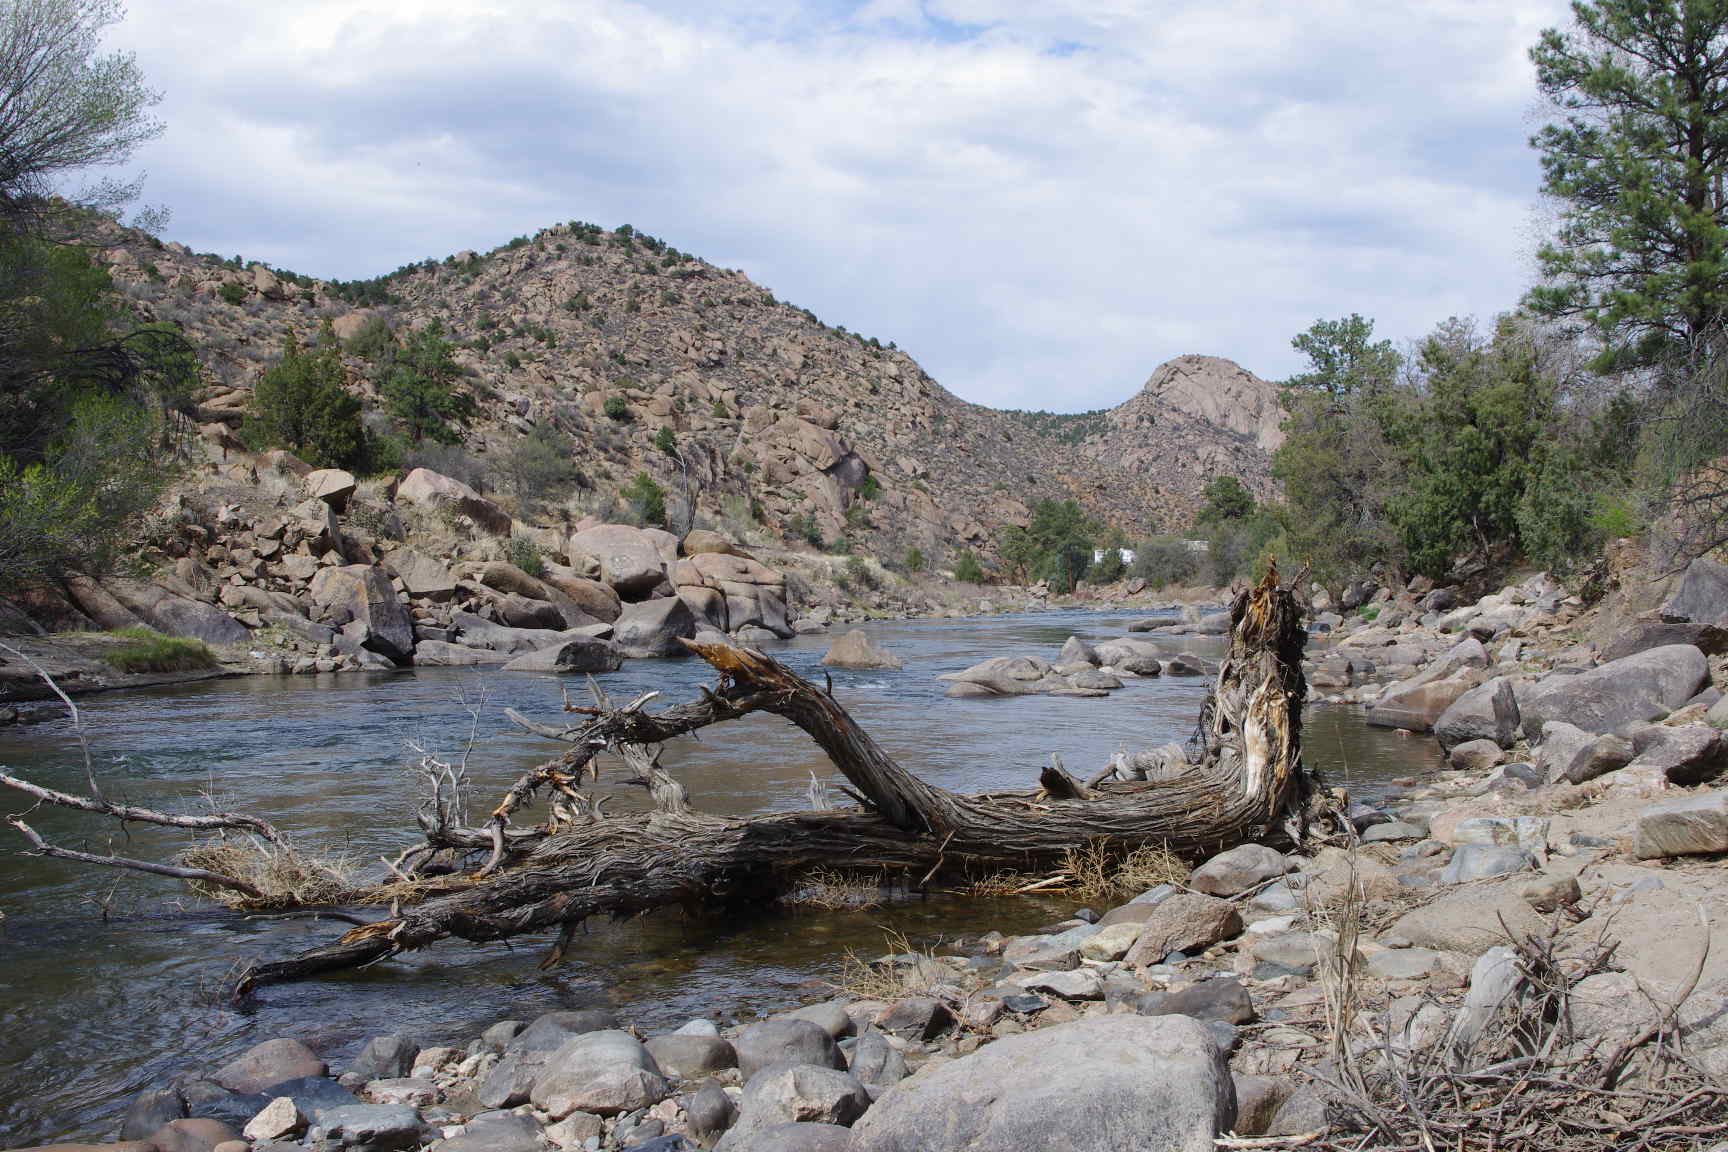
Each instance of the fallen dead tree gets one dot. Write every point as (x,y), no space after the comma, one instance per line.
(1245,782)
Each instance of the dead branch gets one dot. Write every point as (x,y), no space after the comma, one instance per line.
(132,814)
(198,875)
(1249,784)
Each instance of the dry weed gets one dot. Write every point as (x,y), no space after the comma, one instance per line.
(830,889)
(288,877)
(868,979)
(1096,872)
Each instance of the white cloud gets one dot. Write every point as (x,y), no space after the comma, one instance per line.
(1040,202)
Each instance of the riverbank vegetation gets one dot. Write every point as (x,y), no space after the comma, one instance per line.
(91,403)
(148,651)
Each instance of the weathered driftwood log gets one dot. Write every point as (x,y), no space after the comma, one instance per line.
(1247,783)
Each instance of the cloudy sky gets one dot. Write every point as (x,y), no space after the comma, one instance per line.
(1040,201)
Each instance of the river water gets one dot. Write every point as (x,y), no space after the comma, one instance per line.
(113,982)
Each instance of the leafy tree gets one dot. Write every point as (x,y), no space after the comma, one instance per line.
(418,380)
(1019,552)
(1163,560)
(1225,498)
(1636,158)
(78,509)
(967,569)
(1343,359)
(1064,537)
(65,108)
(1489,408)
(300,404)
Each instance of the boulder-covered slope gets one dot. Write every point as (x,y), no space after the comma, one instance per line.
(766,402)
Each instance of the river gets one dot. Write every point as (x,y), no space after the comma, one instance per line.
(114,982)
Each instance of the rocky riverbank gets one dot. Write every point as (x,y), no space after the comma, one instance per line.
(1196,1008)
(294,570)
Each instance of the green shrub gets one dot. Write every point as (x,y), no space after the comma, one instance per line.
(526,556)
(373,340)
(967,569)
(914,560)
(301,405)
(871,488)
(232,293)
(665,441)
(1163,560)
(718,410)
(645,499)
(810,531)
(512,361)
(419,381)
(616,407)
(147,651)
(541,467)
(858,570)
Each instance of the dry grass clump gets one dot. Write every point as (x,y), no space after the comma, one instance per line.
(831,889)
(1095,872)
(287,877)
(1506,1071)
(868,979)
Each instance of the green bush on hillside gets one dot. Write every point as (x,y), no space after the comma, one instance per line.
(967,569)
(300,404)
(645,500)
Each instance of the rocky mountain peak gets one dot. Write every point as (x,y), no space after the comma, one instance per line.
(1220,392)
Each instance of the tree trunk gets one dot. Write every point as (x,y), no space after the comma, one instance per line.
(1248,783)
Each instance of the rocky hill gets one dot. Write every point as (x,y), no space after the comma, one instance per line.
(780,420)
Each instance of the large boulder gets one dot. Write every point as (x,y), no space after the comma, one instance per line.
(103,608)
(1638,688)
(423,577)
(1237,870)
(689,1057)
(478,632)
(1100,1085)
(512,1079)
(334,486)
(1470,918)
(263,1066)
(1007,676)
(1418,704)
(1568,753)
(795,1094)
(628,559)
(579,654)
(591,596)
(436,491)
(1701,596)
(741,592)
(442,654)
(174,615)
(604,1072)
(362,593)
(701,541)
(1488,711)
(785,1041)
(654,627)
(1186,922)
(1648,634)
(854,650)
(1687,826)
